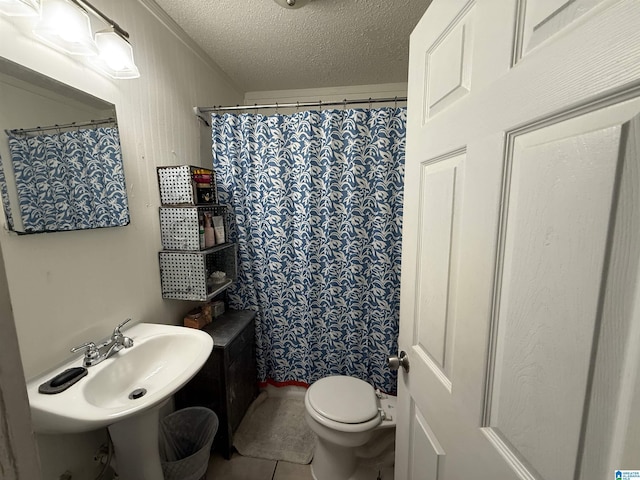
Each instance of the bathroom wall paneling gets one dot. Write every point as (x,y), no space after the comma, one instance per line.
(70,287)
(157,128)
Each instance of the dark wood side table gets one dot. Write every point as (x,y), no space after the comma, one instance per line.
(227,383)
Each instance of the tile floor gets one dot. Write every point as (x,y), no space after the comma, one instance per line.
(247,468)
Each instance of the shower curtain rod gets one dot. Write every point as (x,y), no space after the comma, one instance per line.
(319,103)
(57,127)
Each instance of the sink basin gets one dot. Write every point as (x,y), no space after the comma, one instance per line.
(163,358)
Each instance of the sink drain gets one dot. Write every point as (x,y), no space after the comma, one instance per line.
(137,393)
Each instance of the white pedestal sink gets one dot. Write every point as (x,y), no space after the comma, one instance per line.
(163,358)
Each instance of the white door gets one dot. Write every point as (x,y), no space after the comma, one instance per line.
(520,303)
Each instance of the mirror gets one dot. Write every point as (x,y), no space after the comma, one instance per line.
(60,155)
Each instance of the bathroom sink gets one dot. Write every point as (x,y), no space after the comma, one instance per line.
(162,359)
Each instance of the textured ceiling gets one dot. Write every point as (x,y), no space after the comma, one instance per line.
(326,43)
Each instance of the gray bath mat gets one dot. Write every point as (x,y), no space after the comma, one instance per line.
(274,428)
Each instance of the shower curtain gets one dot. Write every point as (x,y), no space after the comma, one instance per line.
(317,200)
(6,202)
(70,180)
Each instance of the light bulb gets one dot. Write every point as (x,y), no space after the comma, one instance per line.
(115,57)
(66,27)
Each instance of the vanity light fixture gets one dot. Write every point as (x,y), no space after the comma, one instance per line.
(66,27)
(115,54)
(20,8)
(115,57)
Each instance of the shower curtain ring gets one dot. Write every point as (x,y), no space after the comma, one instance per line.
(320,104)
(344,104)
(369,103)
(276,108)
(297,105)
(395,102)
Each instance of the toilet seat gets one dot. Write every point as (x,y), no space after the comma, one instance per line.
(332,405)
(343,399)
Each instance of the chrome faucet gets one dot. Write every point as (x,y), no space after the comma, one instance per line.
(95,354)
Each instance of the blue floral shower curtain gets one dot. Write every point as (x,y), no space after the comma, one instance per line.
(317,198)
(70,180)
(4,193)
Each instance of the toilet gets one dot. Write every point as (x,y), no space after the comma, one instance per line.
(347,415)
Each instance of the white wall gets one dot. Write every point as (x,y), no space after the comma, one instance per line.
(69,287)
(18,456)
(329,94)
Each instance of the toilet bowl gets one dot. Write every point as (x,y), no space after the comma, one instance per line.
(345,413)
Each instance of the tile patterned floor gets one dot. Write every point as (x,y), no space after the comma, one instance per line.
(247,468)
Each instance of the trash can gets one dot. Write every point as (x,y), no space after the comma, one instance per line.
(185,443)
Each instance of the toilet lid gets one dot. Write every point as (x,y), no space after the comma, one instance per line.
(343,399)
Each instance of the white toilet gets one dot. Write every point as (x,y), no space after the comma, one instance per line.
(345,413)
